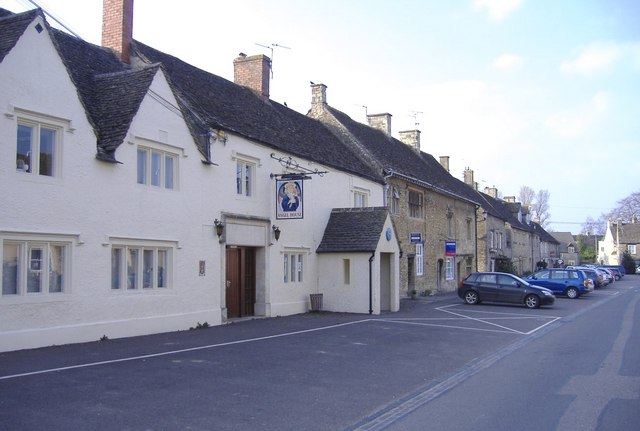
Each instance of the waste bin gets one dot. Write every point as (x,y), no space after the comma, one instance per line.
(316,301)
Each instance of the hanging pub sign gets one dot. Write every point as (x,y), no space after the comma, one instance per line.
(450,248)
(289,199)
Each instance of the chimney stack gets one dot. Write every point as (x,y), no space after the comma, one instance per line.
(318,94)
(444,161)
(468,178)
(510,199)
(491,191)
(253,72)
(117,27)
(411,138)
(380,122)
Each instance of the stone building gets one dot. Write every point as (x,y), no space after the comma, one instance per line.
(434,213)
(618,239)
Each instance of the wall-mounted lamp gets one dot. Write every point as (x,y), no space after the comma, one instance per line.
(219,227)
(276,232)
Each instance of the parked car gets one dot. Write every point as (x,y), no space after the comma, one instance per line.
(572,283)
(608,277)
(598,280)
(503,287)
(620,268)
(617,274)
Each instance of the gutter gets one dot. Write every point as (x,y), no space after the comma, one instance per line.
(392,173)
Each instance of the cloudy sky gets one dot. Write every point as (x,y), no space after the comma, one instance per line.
(543,93)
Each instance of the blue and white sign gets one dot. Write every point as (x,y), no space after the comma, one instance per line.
(289,202)
(415,237)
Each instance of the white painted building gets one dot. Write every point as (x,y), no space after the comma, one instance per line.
(113,175)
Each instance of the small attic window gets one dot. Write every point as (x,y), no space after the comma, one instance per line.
(39,28)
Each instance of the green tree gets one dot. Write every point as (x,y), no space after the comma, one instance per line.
(587,248)
(628,263)
(505,265)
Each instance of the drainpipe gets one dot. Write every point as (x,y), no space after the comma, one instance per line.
(475,219)
(385,199)
(373,255)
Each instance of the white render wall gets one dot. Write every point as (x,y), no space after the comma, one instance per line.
(354,297)
(321,194)
(95,205)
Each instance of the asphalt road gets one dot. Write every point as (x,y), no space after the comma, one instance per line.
(436,364)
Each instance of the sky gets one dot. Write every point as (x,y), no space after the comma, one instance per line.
(537,93)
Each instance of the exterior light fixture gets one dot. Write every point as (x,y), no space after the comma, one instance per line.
(219,227)
(276,232)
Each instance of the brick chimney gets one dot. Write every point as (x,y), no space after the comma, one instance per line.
(117,27)
(253,72)
(411,138)
(444,161)
(380,122)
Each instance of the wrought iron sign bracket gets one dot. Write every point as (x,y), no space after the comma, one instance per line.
(290,163)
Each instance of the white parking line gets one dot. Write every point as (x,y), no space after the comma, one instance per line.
(175,352)
(408,321)
(534,316)
(484,321)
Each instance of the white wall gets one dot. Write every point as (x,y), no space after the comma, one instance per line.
(93,206)
(250,219)
(363,278)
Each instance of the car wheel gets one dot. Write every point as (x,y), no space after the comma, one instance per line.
(471,297)
(572,293)
(532,301)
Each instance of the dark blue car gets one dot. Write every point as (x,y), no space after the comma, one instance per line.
(502,287)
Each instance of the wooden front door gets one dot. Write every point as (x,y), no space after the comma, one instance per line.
(240,281)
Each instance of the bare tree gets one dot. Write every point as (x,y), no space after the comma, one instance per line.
(540,208)
(628,209)
(594,227)
(526,196)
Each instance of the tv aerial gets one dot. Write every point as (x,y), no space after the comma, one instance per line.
(270,47)
(414,115)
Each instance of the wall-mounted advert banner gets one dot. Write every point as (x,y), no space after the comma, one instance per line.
(289,201)
(450,248)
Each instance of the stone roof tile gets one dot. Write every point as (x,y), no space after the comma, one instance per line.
(353,230)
